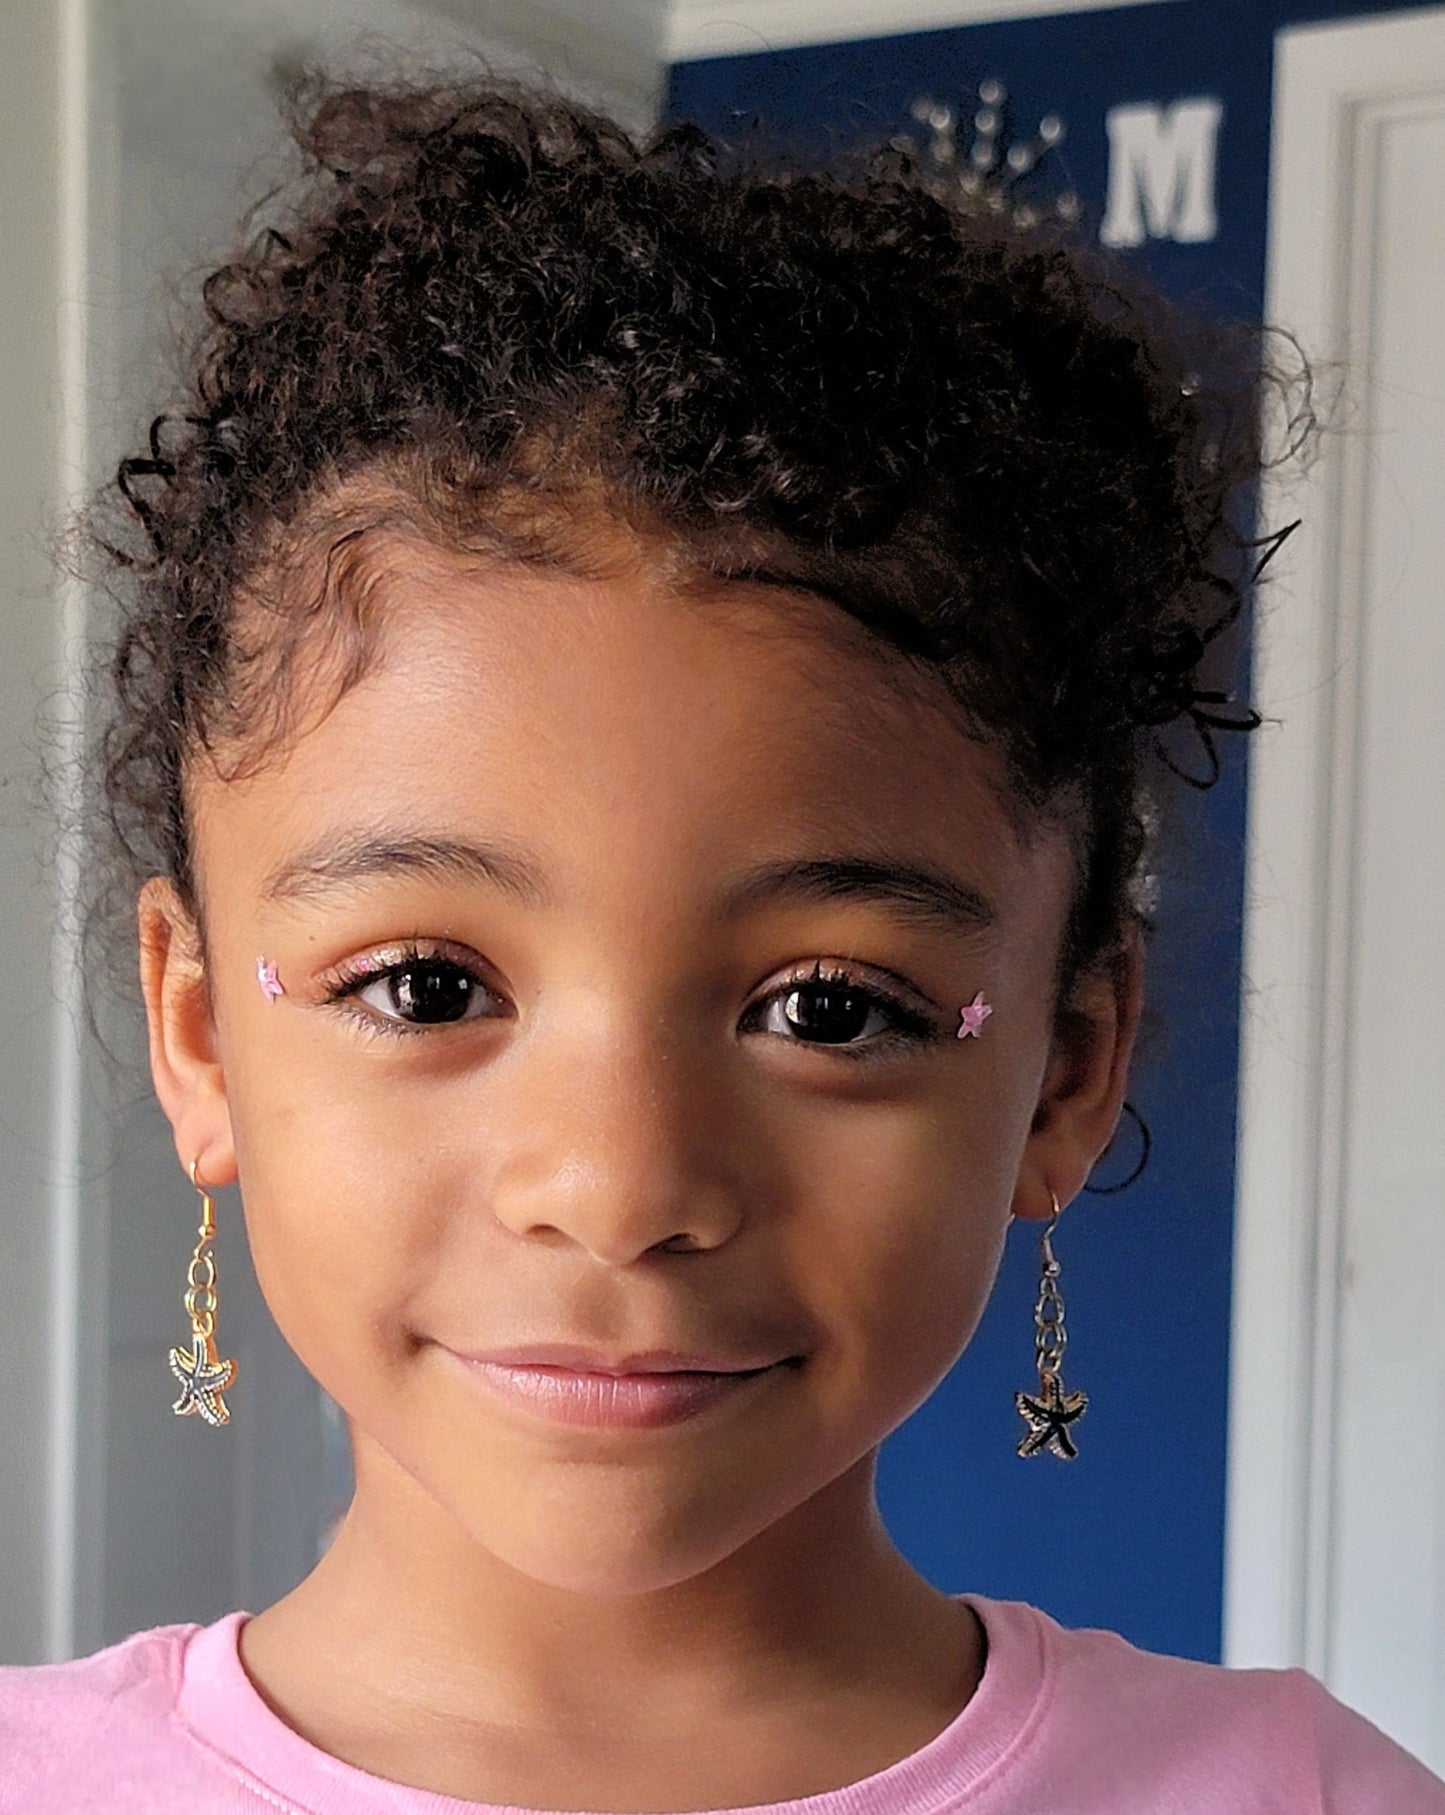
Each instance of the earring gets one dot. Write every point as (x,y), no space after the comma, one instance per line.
(201,1372)
(1050,1413)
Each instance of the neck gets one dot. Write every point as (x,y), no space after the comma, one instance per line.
(408,1609)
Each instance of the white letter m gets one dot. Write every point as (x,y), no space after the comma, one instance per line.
(1161,172)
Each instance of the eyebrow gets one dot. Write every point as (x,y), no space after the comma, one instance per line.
(915,894)
(334,865)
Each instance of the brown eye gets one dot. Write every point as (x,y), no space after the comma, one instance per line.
(830,1013)
(426,992)
(840,1012)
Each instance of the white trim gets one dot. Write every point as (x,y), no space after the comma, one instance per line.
(716,28)
(65,1285)
(1334,83)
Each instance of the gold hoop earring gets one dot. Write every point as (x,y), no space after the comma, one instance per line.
(201,1372)
(1051,1411)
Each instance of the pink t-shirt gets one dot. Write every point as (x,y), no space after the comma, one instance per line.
(1063,1723)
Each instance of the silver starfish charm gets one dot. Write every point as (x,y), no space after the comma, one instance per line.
(1048,1414)
(203,1378)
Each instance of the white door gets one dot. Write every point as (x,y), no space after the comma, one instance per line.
(1336,1554)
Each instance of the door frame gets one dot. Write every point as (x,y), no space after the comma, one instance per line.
(1335,85)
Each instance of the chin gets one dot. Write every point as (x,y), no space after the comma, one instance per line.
(615,1530)
(595,1560)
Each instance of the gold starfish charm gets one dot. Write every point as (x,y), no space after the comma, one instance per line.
(1048,1414)
(203,1378)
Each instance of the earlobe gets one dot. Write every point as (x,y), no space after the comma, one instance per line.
(1084,1083)
(184,1061)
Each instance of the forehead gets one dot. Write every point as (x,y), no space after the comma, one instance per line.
(617,716)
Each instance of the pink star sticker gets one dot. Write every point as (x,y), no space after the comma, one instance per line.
(974,1015)
(267,978)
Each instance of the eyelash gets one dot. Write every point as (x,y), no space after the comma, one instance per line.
(911,1027)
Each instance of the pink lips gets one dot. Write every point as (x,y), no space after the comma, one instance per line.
(570,1385)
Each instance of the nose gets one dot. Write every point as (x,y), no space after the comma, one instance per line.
(622,1146)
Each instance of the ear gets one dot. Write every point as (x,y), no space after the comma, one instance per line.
(185,1067)
(1082,1094)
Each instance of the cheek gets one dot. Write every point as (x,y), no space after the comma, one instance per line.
(906,1214)
(346,1198)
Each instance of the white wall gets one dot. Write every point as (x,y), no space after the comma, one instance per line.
(35,408)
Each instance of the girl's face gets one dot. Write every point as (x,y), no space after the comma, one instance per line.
(547,895)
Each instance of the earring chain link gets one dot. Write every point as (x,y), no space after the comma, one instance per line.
(200,1299)
(1050,1335)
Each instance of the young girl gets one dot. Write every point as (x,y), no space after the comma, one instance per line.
(632,723)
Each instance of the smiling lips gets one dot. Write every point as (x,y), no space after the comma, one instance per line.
(570,1385)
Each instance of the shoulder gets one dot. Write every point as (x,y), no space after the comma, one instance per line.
(1182,1733)
(138,1677)
(96,1733)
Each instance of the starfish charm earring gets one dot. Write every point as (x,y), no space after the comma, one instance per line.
(202,1373)
(1048,1416)
(1052,1410)
(202,1378)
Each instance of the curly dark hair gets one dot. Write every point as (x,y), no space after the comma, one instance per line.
(481,306)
